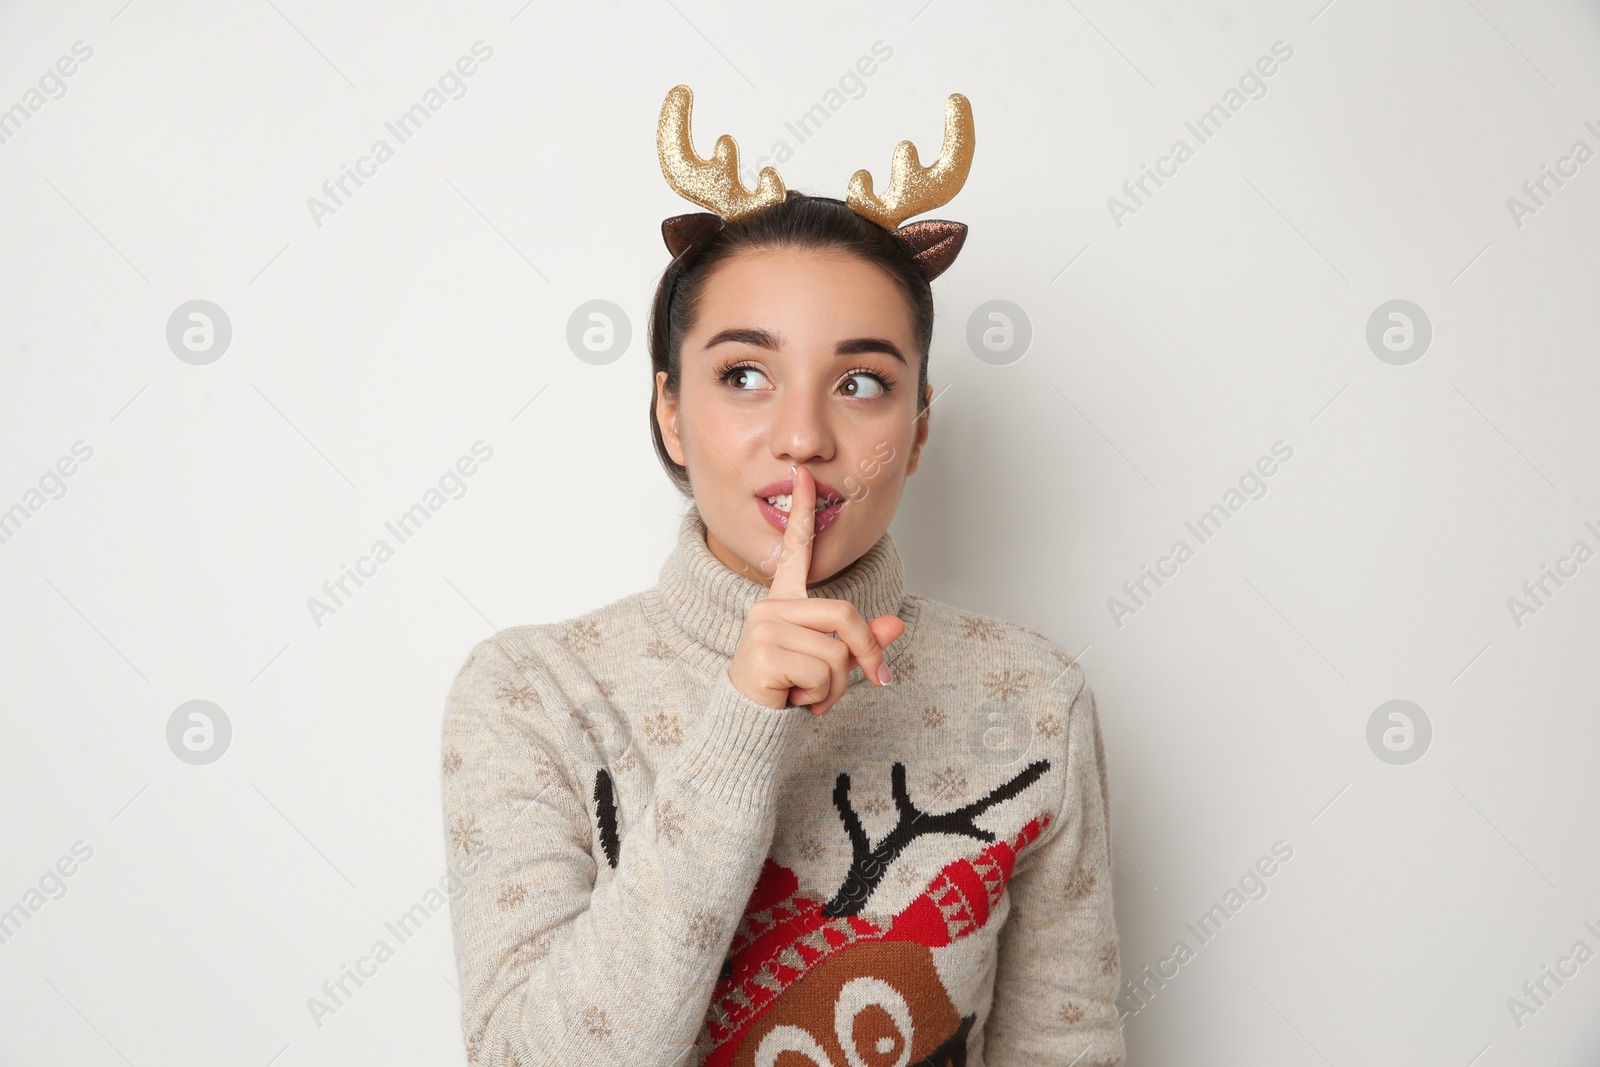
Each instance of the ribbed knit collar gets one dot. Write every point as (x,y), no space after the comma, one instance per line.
(700,604)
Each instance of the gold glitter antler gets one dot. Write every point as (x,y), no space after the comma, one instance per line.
(914,188)
(712,183)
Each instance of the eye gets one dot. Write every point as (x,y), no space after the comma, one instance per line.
(781,1039)
(875,385)
(873,1001)
(739,375)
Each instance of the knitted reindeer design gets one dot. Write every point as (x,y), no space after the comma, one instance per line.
(818,979)
(821,980)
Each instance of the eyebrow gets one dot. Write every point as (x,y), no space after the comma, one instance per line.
(764,339)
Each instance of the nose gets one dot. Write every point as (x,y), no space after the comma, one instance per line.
(801,431)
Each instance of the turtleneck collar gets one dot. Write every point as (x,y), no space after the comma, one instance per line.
(700,604)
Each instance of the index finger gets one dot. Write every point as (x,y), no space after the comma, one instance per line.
(789,580)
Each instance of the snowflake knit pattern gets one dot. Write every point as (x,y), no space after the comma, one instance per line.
(655,870)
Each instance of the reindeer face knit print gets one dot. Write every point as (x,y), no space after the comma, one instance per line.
(654,870)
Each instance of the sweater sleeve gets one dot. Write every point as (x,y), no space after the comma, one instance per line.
(1058,973)
(553,971)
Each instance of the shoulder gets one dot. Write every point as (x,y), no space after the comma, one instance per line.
(564,662)
(533,695)
(1008,660)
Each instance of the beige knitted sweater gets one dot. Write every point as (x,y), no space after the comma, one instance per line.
(653,869)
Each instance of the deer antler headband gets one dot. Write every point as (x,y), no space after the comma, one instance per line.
(714,183)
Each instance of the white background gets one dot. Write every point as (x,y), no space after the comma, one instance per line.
(369,352)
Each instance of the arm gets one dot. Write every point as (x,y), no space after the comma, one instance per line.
(1057,977)
(551,971)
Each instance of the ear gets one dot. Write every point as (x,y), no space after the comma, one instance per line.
(922,433)
(682,232)
(667,419)
(933,243)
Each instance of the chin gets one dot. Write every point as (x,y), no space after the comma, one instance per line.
(834,551)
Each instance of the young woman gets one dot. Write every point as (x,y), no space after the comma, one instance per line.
(777,810)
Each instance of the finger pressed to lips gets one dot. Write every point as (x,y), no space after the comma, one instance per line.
(794,564)
(816,631)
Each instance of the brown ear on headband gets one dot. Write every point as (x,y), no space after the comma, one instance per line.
(683,232)
(933,243)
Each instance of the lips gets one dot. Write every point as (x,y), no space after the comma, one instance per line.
(785,487)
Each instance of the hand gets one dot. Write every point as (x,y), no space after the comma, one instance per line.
(787,654)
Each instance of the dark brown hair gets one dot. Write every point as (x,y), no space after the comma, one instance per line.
(799,221)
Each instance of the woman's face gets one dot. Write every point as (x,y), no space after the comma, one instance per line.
(798,356)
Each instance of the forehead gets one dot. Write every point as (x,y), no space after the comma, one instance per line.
(804,294)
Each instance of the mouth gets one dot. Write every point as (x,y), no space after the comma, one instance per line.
(775,500)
